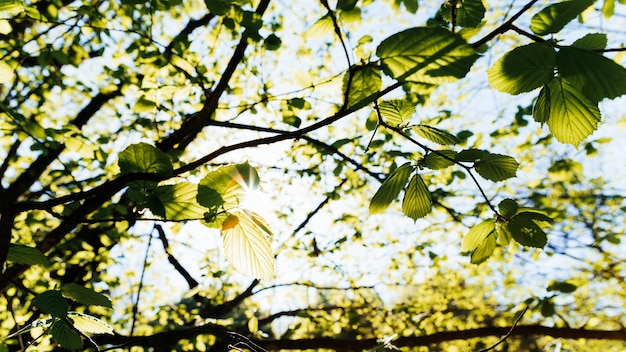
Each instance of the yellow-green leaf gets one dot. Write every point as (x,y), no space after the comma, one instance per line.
(416,203)
(477,235)
(553,18)
(523,69)
(89,324)
(247,246)
(390,189)
(573,117)
(361,82)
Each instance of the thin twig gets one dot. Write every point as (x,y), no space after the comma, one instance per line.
(191,282)
(506,336)
(143,271)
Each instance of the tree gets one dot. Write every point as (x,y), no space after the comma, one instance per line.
(134,131)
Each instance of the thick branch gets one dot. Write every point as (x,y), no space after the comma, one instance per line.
(170,338)
(191,127)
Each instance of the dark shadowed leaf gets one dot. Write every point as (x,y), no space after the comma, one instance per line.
(51,302)
(63,333)
(526,231)
(541,110)
(19,253)
(507,208)
(562,286)
(595,76)
(467,13)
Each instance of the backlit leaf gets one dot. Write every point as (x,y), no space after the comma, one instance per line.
(19,253)
(477,235)
(179,201)
(595,76)
(89,324)
(51,302)
(484,250)
(416,203)
(428,55)
(573,117)
(591,41)
(143,157)
(507,208)
(523,69)
(396,112)
(63,333)
(436,160)
(226,186)
(436,135)
(361,82)
(541,110)
(390,189)
(247,246)
(496,167)
(553,18)
(6,73)
(11,7)
(85,295)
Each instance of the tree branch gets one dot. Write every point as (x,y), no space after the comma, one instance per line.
(191,282)
(505,26)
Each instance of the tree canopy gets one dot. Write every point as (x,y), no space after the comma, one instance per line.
(258,175)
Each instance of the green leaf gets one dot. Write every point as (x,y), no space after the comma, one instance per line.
(541,110)
(470,155)
(526,231)
(436,135)
(507,208)
(51,302)
(63,333)
(592,41)
(6,73)
(396,112)
(562,286)
(428,55)
(553,18)
(272,42)
(85,295)
(226,186)
(502,233)
(144,105)
(143,157)
(481,241)
(435,160)
(592,74)
(320,29)
(218,7)
(477,235)
(180,201)
(523,69)
(89,324)
(484,250)
(21,254)
(361,82)
(245,235)
(496,167)
(467,13)
(573,117)
(416,203)
(390,189)
(10,8)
